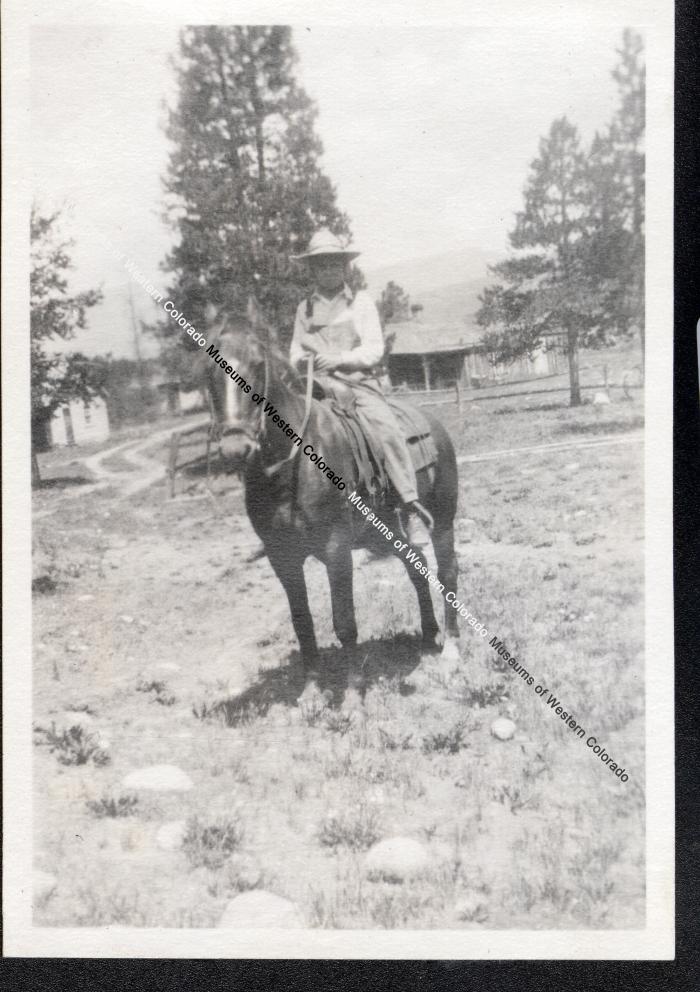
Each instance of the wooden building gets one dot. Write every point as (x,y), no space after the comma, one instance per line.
(426,356)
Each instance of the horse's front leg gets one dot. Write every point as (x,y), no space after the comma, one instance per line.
(338,560)
(288,565)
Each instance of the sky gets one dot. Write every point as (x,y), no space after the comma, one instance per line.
(428,133)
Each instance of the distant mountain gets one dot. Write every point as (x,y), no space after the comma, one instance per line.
(448,286)
(423,275)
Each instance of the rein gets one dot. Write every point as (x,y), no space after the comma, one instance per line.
(270,470)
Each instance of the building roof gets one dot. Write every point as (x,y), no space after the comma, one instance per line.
(419,337)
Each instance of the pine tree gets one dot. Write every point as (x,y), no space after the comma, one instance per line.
(627,142)
(545,290)
(394,304)
(244,186)
(614,249)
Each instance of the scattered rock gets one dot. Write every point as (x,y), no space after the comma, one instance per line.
(43,885)
(161,778)
(396,859)
(471,907)
(125,618)
(260,909)
(502,728)
(171,835)
(572,466)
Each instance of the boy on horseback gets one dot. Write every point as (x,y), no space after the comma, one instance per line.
(342,331)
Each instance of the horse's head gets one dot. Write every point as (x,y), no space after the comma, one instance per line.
(236,372)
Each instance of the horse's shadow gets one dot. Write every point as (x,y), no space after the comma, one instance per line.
(388,659)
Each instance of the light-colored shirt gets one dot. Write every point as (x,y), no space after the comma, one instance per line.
(343,309)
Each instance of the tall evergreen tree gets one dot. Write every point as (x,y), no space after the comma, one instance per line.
(627,141)
(394,304)
(615,206)
(544,289)
(244,186)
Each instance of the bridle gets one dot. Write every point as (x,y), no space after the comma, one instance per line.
(255,433)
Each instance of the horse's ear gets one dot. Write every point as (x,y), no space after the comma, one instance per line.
(259,324)
(254,314)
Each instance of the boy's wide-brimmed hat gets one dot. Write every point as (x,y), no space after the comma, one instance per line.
(324,242)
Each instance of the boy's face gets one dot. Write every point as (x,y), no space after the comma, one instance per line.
(328,272)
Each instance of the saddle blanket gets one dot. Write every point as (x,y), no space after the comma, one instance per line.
(367,453)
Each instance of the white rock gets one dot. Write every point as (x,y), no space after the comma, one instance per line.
(502,728)
(260,909)
(86,597)
(125,618)
(572,466)
(171,835)
(471,907)
(161,778)
(396,859)
(168,666)
(43,884)
(601,399)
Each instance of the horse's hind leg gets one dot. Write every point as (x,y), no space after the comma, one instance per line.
(448,570)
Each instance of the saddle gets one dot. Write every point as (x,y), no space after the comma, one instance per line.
(367,455)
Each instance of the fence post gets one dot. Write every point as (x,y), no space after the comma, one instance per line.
(172,465)
(458,391)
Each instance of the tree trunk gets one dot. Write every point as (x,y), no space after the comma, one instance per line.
(572,355)
(36,474)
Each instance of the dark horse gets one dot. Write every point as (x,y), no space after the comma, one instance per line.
(294,507)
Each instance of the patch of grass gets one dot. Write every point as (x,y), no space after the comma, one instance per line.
(338,723)
(158,688)
(356,829)
(480,696)
(451,741)
(210,843)
(113,806)
(72,746)
(394,742)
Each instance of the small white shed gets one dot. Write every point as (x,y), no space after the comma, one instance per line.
(80,423)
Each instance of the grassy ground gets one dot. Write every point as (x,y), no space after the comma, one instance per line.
(172,650)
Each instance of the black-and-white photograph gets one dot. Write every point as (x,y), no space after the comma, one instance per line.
(339,378)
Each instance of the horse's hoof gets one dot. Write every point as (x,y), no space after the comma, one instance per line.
(352,702)
(450,651)
(312,702)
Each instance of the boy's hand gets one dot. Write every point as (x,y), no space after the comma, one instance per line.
(324,362)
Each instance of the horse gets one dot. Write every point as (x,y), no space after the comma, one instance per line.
(296,508)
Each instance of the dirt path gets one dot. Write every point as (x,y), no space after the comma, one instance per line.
(146,470)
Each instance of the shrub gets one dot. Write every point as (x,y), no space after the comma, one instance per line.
(74,746)
(452,741)
(211,843)
(109,806)
(356,829)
